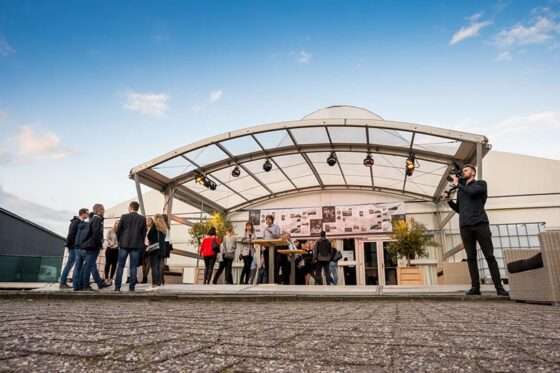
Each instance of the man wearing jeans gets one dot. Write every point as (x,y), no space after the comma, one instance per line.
(131,235)
(474,227)
(90,249)
(73,251)
(322,256)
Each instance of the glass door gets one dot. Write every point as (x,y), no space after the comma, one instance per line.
(390,264)
(371,263)
(376,265)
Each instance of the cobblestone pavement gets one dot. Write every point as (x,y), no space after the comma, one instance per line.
(91,335)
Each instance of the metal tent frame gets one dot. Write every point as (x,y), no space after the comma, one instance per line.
(298,150)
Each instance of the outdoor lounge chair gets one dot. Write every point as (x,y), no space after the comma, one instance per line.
(540,284)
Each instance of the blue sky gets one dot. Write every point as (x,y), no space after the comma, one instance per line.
(90,89)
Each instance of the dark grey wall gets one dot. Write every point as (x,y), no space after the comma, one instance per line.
(19,236)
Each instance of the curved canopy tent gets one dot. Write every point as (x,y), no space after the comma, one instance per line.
(298,150)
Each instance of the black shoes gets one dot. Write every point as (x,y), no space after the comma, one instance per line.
(473,291)
(501,292)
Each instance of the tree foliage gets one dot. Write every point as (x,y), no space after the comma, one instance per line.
(411,240)
(216,220)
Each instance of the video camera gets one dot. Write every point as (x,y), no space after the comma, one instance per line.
(457,171)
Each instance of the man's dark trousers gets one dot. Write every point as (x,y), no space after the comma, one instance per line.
(89,268)
(134,261)
(323,266)
(471,234)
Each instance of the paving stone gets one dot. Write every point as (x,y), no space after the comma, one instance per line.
(100,335)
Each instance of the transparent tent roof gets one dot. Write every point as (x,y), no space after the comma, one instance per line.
(297,152)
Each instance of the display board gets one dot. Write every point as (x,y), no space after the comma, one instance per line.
(334,220)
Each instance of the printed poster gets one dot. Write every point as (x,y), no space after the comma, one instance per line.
(334,220)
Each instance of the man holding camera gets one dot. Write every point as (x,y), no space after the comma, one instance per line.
(474,226)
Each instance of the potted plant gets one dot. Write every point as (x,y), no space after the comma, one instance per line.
(199,230)
(217,220)
(410,242)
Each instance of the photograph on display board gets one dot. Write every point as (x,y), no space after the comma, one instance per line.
(316,226)
(329,214)
(255,217)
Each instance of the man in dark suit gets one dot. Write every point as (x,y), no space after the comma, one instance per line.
(131,235)
(90,249)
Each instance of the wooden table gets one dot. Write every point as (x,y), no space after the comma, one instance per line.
(292,256)
(271,245)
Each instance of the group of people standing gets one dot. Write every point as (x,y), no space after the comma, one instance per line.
(317,260)
(134,237)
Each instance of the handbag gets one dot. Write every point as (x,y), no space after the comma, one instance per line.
(153,247)
(215,246)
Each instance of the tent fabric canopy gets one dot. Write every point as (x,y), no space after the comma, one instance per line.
(298,151)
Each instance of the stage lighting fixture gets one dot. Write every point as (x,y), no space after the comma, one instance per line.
(331,160)
(236,171)
(368,161)
(410,164)
(212,185)
(267,166)
(199,179)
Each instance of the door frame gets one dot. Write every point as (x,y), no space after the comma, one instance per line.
(360,259)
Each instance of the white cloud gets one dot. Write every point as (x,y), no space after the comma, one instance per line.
(154,104)
(303,57)
(38,145)
(504,56)
(470,31)
(541,30)
(52,219)
(5,48)
(28,145)
(3,115)
(534,134)
(545,120)
(215,96)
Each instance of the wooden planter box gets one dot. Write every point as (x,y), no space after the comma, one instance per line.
(410,276)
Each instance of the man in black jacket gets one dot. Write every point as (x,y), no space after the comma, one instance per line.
(322,256)
(474,227)
(91,247)
(73,251)
(131,235)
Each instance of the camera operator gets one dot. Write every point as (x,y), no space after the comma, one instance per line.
(474,226)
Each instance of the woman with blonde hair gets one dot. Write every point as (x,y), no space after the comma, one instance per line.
(111,252)
(156,248)
(145,260)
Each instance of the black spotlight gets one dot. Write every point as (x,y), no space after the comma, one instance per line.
(368,161)
(267,166)
(236,171)
(207,182)
(212,185)
(410,164)
(331,160)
